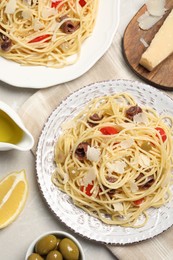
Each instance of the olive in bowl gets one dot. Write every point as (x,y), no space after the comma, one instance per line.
(55,245)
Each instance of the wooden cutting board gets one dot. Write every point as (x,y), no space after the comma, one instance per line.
(161,76)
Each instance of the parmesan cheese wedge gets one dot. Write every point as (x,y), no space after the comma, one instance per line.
(161,46)
(156,7)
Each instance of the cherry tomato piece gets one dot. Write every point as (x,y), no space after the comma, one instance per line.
(162,133)
(55,4)
(40,38)
(138,202)
(87,189)
(109,130)
(82,3)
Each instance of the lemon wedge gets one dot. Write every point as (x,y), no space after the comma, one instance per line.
(13,194)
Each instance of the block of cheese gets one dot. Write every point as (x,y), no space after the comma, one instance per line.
(161,46)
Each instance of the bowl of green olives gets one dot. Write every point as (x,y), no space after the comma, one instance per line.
(55,245)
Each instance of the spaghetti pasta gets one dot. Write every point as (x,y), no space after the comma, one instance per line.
(114,159)
(49,32)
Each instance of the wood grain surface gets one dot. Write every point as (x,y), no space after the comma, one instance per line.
(162,75)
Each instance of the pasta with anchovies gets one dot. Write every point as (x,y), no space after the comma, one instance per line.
(114,160)
(48,33)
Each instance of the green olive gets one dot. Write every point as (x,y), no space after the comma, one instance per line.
(19,15)
(35,256)
(73,172)
(69,249)
(54,255)
(46,244)
(58,240)
(146,146)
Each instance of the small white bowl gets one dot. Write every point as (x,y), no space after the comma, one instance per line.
(26,142)
(60,234)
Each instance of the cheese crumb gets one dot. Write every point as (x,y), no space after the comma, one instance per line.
(118,206)
(156,7)
(148,21)
(118,167)
(143,160)
(133,186)
(155,11)
(37,25)
(93,154)
(10,7)
(126,143)
(144,42)
(48,11)
(89,177)
(140,118)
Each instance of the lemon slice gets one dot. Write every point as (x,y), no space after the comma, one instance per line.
(13,194)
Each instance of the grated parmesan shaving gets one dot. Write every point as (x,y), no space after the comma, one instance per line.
(93,154)
(118,206)
(143,16)
(118,167)
(54,26)
(148,22)
(155,11)
(89,177)
(133,186)
(143,160)
(126,143)
(10,7)
(140,118)
(156,7)
(48,11)
(37,25)
(144,42)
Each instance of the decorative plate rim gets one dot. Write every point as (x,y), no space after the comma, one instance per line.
(42,77)
(114,241)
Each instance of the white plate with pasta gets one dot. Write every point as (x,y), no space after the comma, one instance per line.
(66,32)
(107,169)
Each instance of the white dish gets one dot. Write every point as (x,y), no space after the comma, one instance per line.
(92,50)
(60,203)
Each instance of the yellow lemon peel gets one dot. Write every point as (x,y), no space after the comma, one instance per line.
(13,194)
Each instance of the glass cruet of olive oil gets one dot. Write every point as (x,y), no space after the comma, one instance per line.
(13,134)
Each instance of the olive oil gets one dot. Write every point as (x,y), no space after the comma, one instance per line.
(10,132)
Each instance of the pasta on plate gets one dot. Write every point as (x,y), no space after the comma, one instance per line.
(45,32)
(114,159)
